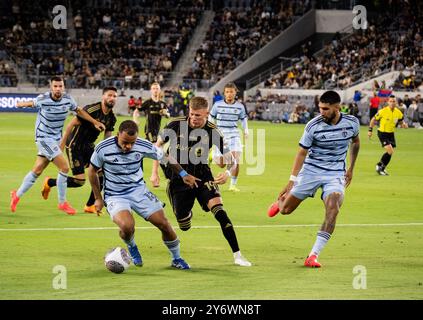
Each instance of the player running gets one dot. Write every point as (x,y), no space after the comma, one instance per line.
(78,141)
(190,139)
(53,108)
(226,113)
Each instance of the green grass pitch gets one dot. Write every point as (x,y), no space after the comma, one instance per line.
(380,227)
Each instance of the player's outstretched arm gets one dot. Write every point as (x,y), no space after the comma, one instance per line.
(86,116)
(26,104)
(155,178)
(95,185)
(354,148)
(371,125)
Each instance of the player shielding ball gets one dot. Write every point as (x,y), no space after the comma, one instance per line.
(321,163)
(121,158)
(53,108)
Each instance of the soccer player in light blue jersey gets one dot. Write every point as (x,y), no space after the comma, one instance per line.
(121,159)
(53,108)
(321,163)
(226,113)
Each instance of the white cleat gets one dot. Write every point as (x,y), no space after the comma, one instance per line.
(240,260)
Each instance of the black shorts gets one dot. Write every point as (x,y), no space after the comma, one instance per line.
(387,138)
(182,197)
(79,156)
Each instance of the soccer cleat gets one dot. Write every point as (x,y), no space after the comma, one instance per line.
(273,209)
(311,262)
(14,199)
(91,209)
(135,255)
(46,188)
(66,207)
(180,264)
(383,172)
(234,189)
(240,260)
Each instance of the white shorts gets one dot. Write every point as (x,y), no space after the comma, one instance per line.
(307,185)
(48,148)
(142,201)
(234,145)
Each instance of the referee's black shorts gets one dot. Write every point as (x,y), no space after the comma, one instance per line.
(79,156)
(387,138)
(182,197)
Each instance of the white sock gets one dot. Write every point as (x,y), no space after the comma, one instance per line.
(27,183)
(234,180)
(62,184)
(321,240)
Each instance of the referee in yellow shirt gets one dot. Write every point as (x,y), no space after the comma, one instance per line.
(388,118)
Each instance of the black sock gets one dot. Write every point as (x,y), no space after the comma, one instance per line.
(226,225)
(91,199)
(75,183)
(72,182)
(385,159)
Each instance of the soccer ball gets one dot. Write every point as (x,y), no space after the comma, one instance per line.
(117,260)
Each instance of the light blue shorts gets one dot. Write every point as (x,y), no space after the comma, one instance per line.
(142,201)
(307,185)
(233,144)
(48,148)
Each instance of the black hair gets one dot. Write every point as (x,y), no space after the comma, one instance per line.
(330,97)
(105,89)
(56,78)
(128,126)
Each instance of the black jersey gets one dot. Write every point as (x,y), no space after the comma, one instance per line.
(153,117)
(86,133)
(191,147)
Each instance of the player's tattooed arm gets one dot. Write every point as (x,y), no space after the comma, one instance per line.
(354,148)
(95,185)
(73,123)
(86,116)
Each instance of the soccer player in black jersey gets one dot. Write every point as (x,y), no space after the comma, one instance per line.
(190,139)
(154,109)
(79,140)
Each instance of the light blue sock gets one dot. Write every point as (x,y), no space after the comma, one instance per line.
(62,184)
(174,248)
(27,183)
(234,180)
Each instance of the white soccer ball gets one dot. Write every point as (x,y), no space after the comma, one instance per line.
(117,260)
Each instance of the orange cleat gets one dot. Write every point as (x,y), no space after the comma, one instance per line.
(66,207)
(273,209)
(92,209)
(14,200)
(46,188)
(311,262)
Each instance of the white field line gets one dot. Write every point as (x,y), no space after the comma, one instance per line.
(218,227)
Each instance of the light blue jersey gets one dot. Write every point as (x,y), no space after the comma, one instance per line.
(226,117)
(52,115)
(123,171)
(328,144)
